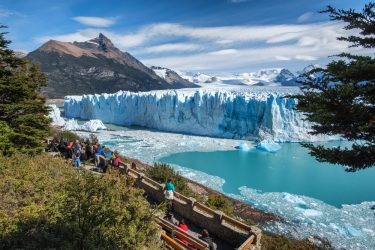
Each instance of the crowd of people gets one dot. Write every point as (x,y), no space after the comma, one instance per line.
(76,152)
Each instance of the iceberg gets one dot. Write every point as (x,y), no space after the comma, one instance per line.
(55,115)
(93,125)
(268,145)
(239,113)
(72,124)
(243,146)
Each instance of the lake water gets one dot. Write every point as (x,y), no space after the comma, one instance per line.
(290,170)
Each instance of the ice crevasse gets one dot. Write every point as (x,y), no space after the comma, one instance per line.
(246,113)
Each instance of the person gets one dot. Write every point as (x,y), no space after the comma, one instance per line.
(169,217)
(184,227)
(77,158)
(69,150)
(117,160)
(88,150)
(206,238)
(99,153)
(77,147)
(169,190)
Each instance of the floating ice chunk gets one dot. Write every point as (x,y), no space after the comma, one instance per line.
(71,125)
(312,213)
(243,146)
(93,125)
(294,199)
(351,231)
(268,145)
(55,115)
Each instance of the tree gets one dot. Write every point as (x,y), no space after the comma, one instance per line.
(46,204)
(22,109)
(340,99)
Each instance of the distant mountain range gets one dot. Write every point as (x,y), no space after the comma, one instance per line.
(97,66)
(264,77)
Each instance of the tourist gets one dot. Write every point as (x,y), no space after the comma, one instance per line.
(169,217)
(77,158)
(69,150)
(117,160)
(206,238)
(169,190)
(88,151)
(99,153)
(184,227)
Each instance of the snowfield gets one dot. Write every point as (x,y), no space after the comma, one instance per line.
(215,110)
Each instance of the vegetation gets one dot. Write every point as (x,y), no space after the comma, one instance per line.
(46,204)
(161,172)
(23,122)
(277,242)
(219,202)
(341,101)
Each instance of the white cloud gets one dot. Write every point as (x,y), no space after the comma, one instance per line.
(304,17)
(224,52)
(169,47)
(204,47)
(4,13)
(305,58)
(95,21)
(282,58)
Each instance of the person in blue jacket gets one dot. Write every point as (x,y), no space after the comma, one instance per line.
(169,190)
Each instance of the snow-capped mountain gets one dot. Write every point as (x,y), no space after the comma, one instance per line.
(172,77)
(265,77)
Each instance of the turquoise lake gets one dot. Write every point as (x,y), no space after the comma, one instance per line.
(290,170)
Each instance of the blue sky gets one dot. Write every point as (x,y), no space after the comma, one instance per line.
(210,36)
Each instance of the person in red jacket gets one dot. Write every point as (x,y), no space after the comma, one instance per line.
(184,227)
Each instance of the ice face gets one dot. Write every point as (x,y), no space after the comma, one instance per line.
(245,113)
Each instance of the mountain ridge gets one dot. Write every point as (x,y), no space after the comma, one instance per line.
(93,67)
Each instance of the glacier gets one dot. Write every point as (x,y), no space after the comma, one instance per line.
(71,124)
(240,113)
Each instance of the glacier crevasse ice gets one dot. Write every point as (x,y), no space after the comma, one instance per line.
(240,113)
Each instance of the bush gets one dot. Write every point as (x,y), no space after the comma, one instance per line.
(47,205)
(278,242)
(161,172)
(219,202)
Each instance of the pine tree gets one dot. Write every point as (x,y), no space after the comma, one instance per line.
(23,122)
(341,101)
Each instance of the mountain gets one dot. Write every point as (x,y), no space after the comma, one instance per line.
(264,77)
(94,66)
(172,77)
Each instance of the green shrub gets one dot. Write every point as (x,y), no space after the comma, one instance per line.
(278,242)
(161,172)
(219,202)
(47,205)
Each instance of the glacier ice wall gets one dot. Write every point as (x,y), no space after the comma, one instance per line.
(243,113)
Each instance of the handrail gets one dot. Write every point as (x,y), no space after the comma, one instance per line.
(181,197)
(247,243)
(195,242)
(171,242)
(210,212)
(238,224)
(224,220)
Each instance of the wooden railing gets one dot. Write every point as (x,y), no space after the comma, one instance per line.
(193,242)
(221,225)
(246,245)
